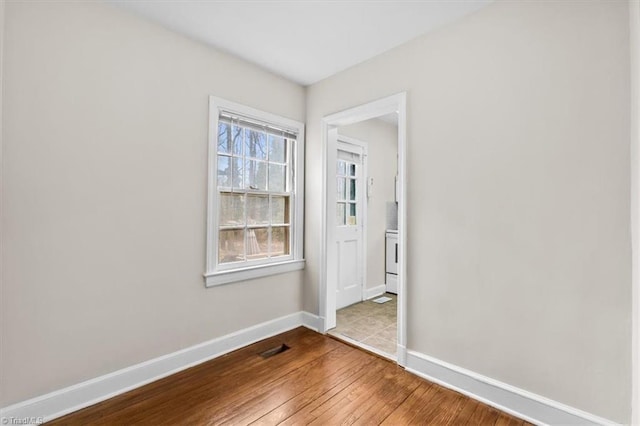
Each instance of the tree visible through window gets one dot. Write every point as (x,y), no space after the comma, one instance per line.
(255,213)
(254,182)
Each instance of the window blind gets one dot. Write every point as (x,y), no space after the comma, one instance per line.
(257,125)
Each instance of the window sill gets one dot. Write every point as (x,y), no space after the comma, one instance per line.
(213,279)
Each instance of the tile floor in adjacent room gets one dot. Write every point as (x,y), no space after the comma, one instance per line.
(370,323)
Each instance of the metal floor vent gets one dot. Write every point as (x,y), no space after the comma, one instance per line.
(274,351)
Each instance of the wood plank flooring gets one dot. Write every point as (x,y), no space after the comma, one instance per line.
(318,381)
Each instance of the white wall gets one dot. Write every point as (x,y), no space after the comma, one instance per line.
(634,21)
(518,237)
(104,194)
(2,6)
(382,138)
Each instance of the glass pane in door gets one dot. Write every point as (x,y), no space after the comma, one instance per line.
(342,188)
(340,216)
(351,214)
(346,193)
(352,189)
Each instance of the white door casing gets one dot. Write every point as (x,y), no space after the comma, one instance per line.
(326,290)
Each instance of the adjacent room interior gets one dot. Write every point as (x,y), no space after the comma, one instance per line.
(195,230)
(367,200)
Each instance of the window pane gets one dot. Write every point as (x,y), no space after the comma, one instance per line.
(342,168)
(277,178)
(342,189)
(279,210)
(352,169)
(255,144)
(224,171)
(237,140)
(280,241)
(224,137)
(257,243)
(231,246)
(352,189)
(256,175)
(231,209)
(351,214)
(237,171)
(340,217)
(257,209)
(277,149)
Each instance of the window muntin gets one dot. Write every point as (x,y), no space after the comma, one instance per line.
(254,185)
(346,201)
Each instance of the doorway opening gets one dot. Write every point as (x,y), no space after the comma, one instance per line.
(364,226)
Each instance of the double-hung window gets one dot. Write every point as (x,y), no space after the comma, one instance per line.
(255,215)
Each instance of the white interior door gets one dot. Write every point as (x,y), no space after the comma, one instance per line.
(349,229)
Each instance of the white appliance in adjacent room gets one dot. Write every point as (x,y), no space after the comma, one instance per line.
(391,276)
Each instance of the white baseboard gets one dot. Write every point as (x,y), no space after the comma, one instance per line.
(520,403)
(312,322)
(526,405)
(374,291)
(73,398)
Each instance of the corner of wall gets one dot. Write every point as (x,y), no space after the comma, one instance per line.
(80,395)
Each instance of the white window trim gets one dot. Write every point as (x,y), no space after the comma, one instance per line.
(214,274)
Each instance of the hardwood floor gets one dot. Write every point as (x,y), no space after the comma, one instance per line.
(318,381)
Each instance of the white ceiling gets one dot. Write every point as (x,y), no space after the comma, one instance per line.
(304,41)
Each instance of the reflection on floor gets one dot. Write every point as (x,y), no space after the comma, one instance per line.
(370,323)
